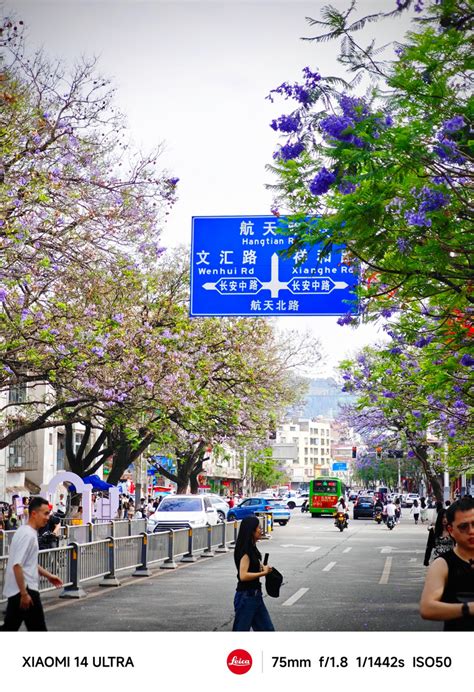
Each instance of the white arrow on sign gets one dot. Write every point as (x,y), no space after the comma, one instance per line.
(275,285)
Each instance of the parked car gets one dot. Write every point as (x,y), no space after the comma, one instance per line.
(221,505)
(296,501)
(183,512)
(364,506)
(407,500)
(254,505)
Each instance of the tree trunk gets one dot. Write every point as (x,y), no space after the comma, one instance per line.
(421,453)
(124,454)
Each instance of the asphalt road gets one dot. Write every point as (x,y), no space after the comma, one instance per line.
(364,579)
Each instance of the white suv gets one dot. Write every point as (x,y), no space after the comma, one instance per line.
(296,501)
(182,512)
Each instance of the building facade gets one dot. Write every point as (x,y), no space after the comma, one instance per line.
(33,459)
(309,442)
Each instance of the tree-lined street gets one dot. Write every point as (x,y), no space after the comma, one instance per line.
(364,579)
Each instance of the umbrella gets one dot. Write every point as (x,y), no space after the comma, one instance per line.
(97,483)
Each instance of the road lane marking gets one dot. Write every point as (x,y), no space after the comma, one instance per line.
(310,548)
(296,596)
(346,550)
(386,571)
(313,550)
(329,566)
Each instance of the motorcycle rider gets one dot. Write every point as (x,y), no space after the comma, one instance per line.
(391,510)
(342,507)
(378,507)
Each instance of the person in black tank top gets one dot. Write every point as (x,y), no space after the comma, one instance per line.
(250,610)
(448,594)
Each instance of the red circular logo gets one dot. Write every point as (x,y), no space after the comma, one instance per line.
(239,661)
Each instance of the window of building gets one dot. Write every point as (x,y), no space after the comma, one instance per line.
(60,453)
(17,393)
(77,441)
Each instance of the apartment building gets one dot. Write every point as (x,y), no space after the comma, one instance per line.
(311,440)
(33,459)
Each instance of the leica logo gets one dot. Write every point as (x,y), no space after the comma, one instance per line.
(239,661)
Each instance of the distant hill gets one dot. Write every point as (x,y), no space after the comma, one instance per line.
(323,399)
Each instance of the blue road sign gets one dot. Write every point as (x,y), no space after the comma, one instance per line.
(339,466)
(237,269)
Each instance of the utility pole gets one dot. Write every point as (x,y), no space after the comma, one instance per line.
(244,474)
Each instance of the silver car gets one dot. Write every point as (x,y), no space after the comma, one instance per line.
(219,504)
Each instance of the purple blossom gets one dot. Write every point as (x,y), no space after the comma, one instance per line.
(396,351)
(289,151)
(416,218)
(467,360)
(453,125)
(148,382)
(447,150)
(432,199)
(98,351)
(423,341)
(410,453)
(286,123)
(337,126)
(345,319)
(416,413)
(3,294)
(322,182)
(403,245)
(388,394)
(298,92)
(346,187)
(354,108)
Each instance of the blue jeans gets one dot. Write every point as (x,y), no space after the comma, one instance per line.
(251,612)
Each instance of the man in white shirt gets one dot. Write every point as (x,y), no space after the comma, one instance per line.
(61,506)
(21,585)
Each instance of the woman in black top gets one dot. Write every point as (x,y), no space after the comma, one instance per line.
(439,538)
(250,610)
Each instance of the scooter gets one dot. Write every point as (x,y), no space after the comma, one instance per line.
(378,516)
(390,522)
(340,521)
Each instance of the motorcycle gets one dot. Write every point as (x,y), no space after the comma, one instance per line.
(378,516)
(340,521)
(305,507)
(390,522)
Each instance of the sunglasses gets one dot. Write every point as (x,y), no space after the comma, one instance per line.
(464,527)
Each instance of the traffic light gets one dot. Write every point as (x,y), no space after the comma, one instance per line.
(354,452)
(378,452)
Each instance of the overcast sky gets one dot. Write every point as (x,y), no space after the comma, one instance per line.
(195,75)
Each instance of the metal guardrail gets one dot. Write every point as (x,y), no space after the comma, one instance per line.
(78,563)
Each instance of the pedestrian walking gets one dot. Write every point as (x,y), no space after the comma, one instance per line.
(448,594)
(398,510)
(250,610)
(423,510)
(22,573)
(415,510)
(439,539)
